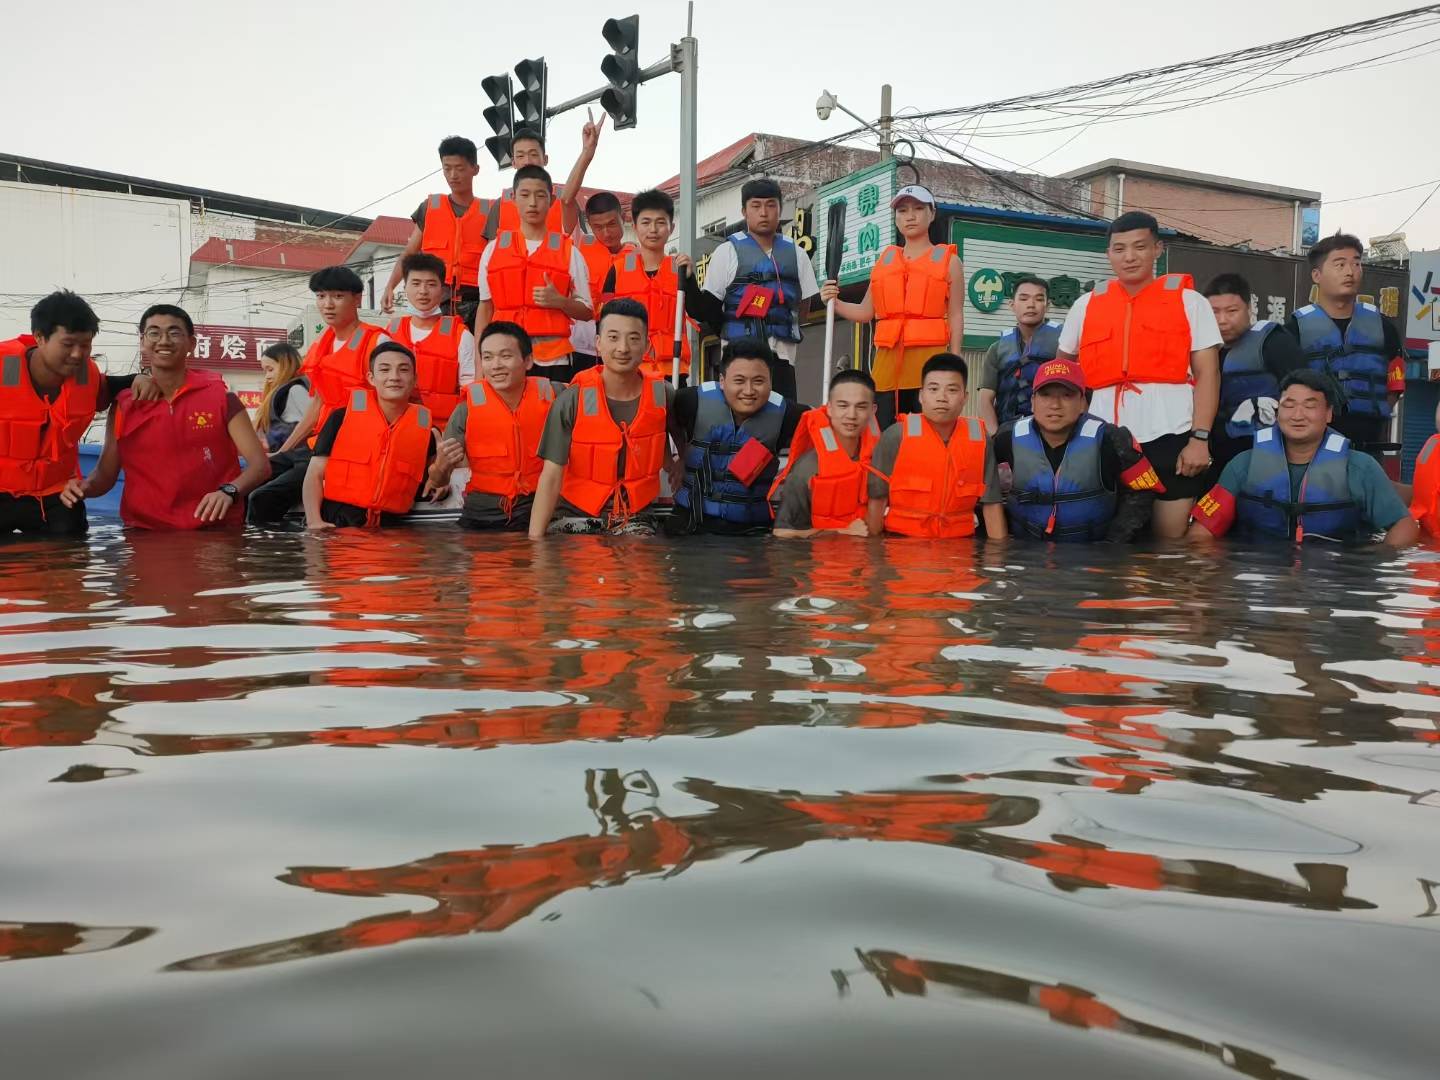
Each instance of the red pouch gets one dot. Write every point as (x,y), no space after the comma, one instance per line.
(752,460)
(755,302)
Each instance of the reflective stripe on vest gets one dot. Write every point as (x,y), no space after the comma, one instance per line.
(913,426)
(546,390)
(477,394)
(437,201)
(359,400)
(11,374)
(590,401)
(828,438)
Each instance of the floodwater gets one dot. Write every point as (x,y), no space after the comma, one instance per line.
(425,804)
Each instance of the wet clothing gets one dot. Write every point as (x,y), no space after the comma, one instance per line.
(44,516)
(1279,354)
(1118,455)
(888,449)
(350,515)
(1361,429)
(484,509)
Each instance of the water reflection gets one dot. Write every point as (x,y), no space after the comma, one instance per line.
(34,940)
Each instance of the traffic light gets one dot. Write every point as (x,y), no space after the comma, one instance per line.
(530,98)
(500,115)
(621,69)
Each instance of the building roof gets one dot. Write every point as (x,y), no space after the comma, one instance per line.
(717,164)
(25,170)
(266,254)
(1161,172)
(388,231)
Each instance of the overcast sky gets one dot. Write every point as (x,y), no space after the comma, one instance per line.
(334,105)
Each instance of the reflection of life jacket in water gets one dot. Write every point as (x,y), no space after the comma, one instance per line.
(1097,865)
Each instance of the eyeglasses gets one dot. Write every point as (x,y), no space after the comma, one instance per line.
(174,333)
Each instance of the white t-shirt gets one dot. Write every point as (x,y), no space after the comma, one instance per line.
(1149,410)
(720,272)
(467,350)
(580,289)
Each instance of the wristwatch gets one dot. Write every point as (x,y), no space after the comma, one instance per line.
(229,489)
(1201,434)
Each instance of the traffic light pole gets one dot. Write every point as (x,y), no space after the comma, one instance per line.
(688,63)
(654,71)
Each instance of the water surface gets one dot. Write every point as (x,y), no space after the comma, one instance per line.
(428,804)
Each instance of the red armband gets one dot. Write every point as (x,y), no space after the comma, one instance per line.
(1215,511)
(1395,381)
(1142,476)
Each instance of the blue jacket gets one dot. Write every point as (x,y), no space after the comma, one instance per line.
(780,273)
(718,438)
(1243,377)
(1069,504)
(1357,362)
(1266,508)
(1017,368)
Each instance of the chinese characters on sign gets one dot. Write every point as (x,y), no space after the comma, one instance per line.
(233,347)
(869,223)
(1274,309)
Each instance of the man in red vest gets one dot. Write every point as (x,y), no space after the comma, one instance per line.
(372,455)
(181,456)
(336,365)
(1150,349)
(606,439)
(451,226)
(495,433)
(50,390)
(444,350)
(536,277)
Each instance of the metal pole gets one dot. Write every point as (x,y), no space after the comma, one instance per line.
(825,368)
(886,142)
(689,63)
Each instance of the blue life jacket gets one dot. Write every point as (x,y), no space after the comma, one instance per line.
(1017,368)
(1266,508)
(1244,377)
(780,273)
(1069,504)
(707,459)
(279,430)
(1357,362)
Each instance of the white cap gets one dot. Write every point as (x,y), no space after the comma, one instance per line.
(913,191)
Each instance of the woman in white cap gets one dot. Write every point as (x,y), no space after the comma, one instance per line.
(916,300)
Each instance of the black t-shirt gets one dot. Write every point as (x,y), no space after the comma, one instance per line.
(347,514)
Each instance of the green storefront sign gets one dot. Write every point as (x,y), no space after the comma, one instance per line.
(869,221)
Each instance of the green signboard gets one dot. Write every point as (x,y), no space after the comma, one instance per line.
(869,221)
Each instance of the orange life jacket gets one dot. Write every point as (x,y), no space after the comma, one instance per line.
(515,274)
(1136,339)
(912,297)
(509,213)
(458,241)
(659,294)
(375,464)
(1425,503)
(437,362)
(334,373)
(40,439)
(502,445)
(839,490)
(592,477)
(934,486)
(598,260)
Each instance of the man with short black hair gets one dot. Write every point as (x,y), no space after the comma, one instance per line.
(647,274)
(605,218)
(825,485)
(1302,481)
(1149,348)
(181,456)
(1350,341)
(737,432)
(336,365)
(50,390)
(1253,360)
(536,277)
(1010,363)
(451,227)
(606,439)
(758,283)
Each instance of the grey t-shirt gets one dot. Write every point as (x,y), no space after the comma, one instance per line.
(481,509)
(888,449)
(990,369)
(559,426)
(794,510)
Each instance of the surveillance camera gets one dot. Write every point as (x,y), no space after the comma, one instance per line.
(825,105)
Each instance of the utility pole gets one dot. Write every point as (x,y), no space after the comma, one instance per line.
(687,62)
(886,142)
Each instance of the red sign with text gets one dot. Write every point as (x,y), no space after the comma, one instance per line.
(233,348)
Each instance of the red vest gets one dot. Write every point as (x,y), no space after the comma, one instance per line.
(659,294)
(592,477)
(502,445)
(912,297)
(437,362)
(375,464)
(839,490)
(40,439)
(934,486)
(515,274)
(1137,339)
(458,241)
(334,373)
(174,453)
